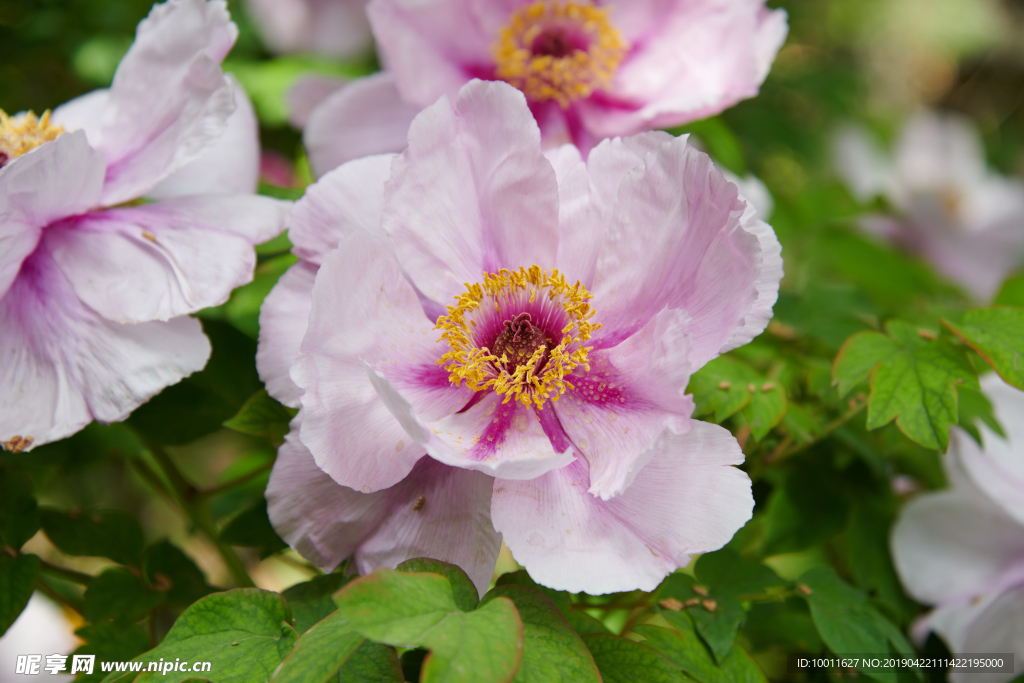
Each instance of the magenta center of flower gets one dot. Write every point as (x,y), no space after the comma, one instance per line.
(559,41)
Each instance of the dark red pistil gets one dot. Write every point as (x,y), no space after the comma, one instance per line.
(554,43)
(519,340)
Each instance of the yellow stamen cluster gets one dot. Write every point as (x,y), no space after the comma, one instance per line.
(21,134)
(565,78)
(535,381)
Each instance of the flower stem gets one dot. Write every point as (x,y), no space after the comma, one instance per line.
(186,496)
(238,481)
(782,453)
(65,573)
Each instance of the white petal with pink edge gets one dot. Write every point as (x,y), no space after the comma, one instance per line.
(52,388)
(363,118)
(687,499)
(365,312)
(454,204)
(436,511)
(631,395)
(231,165)
(162,260)
(60,178)
(283,318)
(169,100)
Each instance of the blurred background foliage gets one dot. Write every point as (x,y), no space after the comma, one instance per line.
(826,488)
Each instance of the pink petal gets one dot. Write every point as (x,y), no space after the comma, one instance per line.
(283,319)
(682,237)
(337,28)
(308,93)
(436,511)
(60,178)
(64,365)
(1000,628)
(696,60)
(631,395)
(162,260)
(939,152)
(952,546)
(455,208)
(169,100)
(348,199)
(230,165)
(998,468)
(435,47)
(363,118)
(687,499)
(366,317)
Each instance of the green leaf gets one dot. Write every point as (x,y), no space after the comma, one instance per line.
(725,570)
(200,403)
(562,599)
(110,641)
(251,528)
(552,651)
(584,624)
(463,590)
(313,600)
(168,569)
(726,385)
(686,651)
(621,660)
(18,576)
(243,633)
(19,514)
(119,594)
(785,625)
(974,407)
(97,533)
(997,334)
(419,610)
(808,507)
(847,622)
(716,615)
(372,663)
(320,652)
(867,550)
(1011,293)
(261,415)
(913,380)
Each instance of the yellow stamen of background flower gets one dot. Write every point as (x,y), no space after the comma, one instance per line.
(537,380)
(560,77)
(21,134)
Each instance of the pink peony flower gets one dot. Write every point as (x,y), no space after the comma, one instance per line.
(957,214)
(94,293)
(590,70)
(484,339)
(336,28)
(962,550)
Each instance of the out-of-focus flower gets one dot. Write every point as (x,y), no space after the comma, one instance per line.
(962,550)
(966,220)
(336,28)
(549,397)
(41,628)
(589,70)
(95,293)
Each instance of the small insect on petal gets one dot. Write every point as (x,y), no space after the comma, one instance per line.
(420,502)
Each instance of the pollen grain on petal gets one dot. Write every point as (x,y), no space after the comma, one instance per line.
(562,51)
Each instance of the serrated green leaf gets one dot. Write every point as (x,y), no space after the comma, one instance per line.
(243,633)
(621,660)
(726,385)
(169,569)
(261,415)
(913,380)
(119,594)
(419,610)
(97,533)
(313,600)
(552,651)
(463,590)
(688,653)
(716,616)
(997,334)
(19,513)
(320,652)
(974,408)
(18,576)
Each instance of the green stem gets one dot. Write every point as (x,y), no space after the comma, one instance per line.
(185,495)
(65,573)
(829,428)
(238,481)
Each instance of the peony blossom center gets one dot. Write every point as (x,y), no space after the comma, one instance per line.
(560,51)
(519,333)
(23,133)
